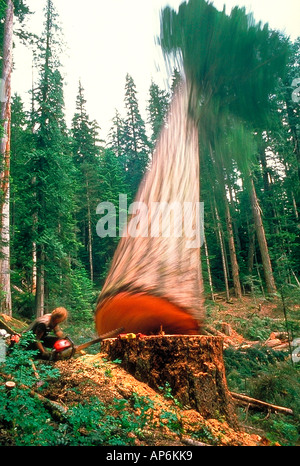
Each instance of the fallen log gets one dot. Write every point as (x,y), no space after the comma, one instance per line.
(194,443)
(254,403)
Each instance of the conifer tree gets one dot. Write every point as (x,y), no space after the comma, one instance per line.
(52,173)
(116,138)
(136,145)
(23,261)
(158,104)
(86,158)
(112,184)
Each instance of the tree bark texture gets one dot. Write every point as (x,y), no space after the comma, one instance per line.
(261,238)
(232,251)
(208,268)
(192,366)
(222,247)
(6,305)
(40,282)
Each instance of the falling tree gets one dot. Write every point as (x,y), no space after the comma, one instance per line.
(155,280)
(233,66)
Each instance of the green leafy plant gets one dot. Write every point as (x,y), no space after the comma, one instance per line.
(19,363)
(167,392)
(23,417)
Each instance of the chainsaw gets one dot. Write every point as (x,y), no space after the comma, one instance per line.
(64,348)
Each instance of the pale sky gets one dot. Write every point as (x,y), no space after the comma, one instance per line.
(105,39)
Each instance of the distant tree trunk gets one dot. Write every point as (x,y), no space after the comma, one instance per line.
(6,305)
(223,253)
(231,242)
(40,248)
(90,237)
(293,126)
(270,207)
(294,206)
(34,271)
(259,275)
(33,280)
(208,268)
(40,282)
(250,259)
(232,252)
(234,223)
(261,238)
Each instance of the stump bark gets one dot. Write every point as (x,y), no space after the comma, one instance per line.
(193,367)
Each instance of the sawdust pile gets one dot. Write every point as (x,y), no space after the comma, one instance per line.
(91,376)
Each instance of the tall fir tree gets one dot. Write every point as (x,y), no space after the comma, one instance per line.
(113,183)
(136,144)
(86,155)
(116,137)
(52,173)
(22,214)
(158,105)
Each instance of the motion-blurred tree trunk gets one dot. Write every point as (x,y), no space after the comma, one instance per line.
(6,306)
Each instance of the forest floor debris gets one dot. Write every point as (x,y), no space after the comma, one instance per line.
(94,376)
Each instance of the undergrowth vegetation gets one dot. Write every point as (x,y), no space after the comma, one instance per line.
(26,420)
(268,375)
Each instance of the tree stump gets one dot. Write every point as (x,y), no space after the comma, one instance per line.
(192,365)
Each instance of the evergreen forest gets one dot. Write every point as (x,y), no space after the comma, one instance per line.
(54,176)
(245,81)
